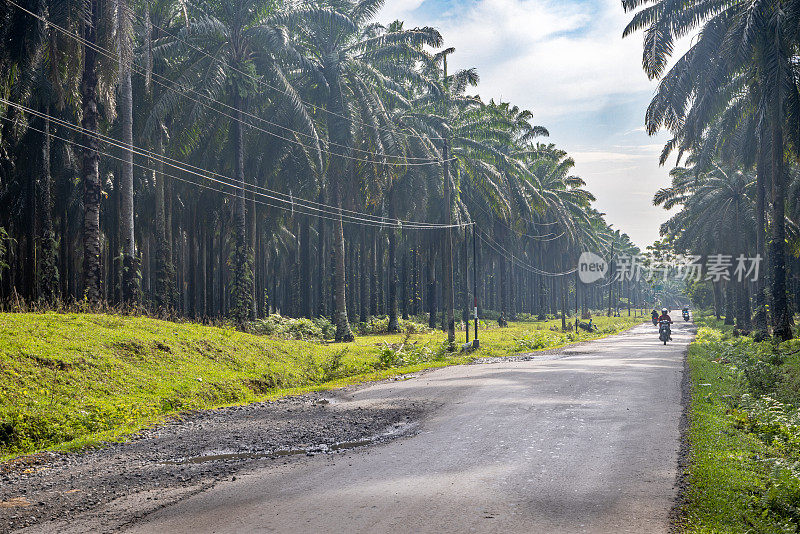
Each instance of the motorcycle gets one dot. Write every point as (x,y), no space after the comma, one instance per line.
(655,320)
(664,331)
(685,315)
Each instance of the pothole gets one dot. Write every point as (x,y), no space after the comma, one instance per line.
(400,429)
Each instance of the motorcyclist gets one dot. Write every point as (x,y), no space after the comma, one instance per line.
(654,316)
(665,317)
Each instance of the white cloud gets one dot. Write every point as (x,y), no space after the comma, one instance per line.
(558,57)
(567,62)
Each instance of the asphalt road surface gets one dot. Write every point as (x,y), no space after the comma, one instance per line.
(584,441)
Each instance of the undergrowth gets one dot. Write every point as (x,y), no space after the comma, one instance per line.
(745,434)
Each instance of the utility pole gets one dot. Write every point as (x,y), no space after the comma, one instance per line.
(475,344)
(577,283)
(466,282)
(611,282)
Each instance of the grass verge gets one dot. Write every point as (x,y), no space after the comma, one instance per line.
(69,381)
(744,435)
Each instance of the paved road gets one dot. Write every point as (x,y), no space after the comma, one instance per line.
(584,442)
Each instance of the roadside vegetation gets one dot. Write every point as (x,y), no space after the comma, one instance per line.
(744,473)
(72,380)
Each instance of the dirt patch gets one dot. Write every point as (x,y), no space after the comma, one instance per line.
(48,490)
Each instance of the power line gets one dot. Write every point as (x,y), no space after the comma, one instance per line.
(135,68)
(297,209)
(229,182)
(269,86)
(541,238)
(513,259)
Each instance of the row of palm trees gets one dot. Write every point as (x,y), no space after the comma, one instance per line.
(239,157)
(731,102)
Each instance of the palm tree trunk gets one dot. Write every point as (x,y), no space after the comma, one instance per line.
(730,303)
(92,273)
(221,264)
(781,321)
(131,283)
(416,295)
(431,275)
(373,279)
(394,324)
(48,270)
(305,265)
(717,300)
(164,269)
(191,241)
(447,275)
(404,283)
(322,302)
(242,282)
(343,332)
(563,284)
(337,170)
(30,275)
(350,259)
(253,238)
(760,316)
(363,276)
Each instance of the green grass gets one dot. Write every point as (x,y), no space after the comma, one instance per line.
(724,471)
(743,443)
(69,381)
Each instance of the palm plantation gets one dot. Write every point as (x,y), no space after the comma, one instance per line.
(255,159)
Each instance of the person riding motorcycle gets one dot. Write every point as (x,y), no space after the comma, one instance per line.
(686,313)
(654,316)
(665,317)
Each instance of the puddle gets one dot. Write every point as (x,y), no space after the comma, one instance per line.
(281,453)
(234,456)
(351,444)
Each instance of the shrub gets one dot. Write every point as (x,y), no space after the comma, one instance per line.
(537,340)
(326,326)
(380,325)
(288,328)
(409,353)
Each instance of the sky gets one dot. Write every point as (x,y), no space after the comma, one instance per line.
(567,62)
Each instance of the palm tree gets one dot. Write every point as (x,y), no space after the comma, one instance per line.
(736,38)
(718,215)
(351,63)
(246,43)
(44,55)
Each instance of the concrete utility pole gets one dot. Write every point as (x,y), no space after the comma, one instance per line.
(610,283)
(475,343)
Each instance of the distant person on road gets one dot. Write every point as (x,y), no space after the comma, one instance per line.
(654,315)
(665,317)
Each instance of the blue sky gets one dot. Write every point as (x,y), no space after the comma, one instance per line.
(566,61)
